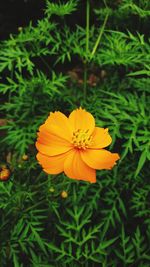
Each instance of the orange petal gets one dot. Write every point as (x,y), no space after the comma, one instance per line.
(52,165)
(58,124)
(81,119)
(52,145)
(99,159)
(101,138)
(75,168)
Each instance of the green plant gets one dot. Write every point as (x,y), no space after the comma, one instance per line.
(101,64)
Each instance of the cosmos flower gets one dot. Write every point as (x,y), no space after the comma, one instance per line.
(74,145)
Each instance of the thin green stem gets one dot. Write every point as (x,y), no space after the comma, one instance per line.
(45,63)
(87,47)
(105,3)
(35,205)
(99,36)
(87,25)
(43,60)
(85,81)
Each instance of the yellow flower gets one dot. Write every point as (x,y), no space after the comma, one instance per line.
(74,146)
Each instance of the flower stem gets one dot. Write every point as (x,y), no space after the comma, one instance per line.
(87,25)
(99,36)
(87,47)
(85,81)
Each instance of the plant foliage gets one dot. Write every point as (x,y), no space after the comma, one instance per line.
(101,64)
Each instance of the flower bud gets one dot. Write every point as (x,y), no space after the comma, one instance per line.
(25,157)
(64,194)
(4,174)
(52,190)
(19,29)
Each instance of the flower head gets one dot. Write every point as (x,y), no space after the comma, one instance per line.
(74,145)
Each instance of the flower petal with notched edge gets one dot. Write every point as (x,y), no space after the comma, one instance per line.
(100,138)
(52,165)
(81,119)
(99,159)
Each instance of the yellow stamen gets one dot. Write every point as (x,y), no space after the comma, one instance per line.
(81,139)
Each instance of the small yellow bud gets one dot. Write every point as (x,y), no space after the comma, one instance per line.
(52,190)
(19,29)
(103,74)
(19,166)
(64,194)
(25,157)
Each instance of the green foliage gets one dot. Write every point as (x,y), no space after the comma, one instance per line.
(130,116)
(49,67)
(126,8)
(61,9)
(25,104)
(126,251)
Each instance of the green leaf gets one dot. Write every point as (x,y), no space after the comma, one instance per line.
(141,162)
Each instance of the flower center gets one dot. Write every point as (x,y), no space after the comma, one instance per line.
(81,139)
